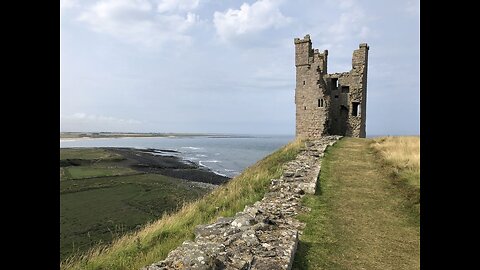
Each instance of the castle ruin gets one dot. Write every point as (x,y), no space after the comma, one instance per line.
(329,104)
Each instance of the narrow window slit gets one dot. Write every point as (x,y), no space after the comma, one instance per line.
(320,102)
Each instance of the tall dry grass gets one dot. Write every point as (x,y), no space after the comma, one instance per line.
(403,154)
(155,240)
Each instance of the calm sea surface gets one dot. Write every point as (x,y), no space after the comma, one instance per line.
(224,155)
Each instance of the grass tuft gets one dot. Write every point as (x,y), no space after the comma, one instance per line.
(402,154)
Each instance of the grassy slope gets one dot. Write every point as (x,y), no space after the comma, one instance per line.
(360,218)
(400,159)
(402,155)
(154,241)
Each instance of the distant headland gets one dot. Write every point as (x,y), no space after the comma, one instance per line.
(76,135)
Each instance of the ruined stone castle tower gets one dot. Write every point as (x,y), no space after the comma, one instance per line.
(329,104)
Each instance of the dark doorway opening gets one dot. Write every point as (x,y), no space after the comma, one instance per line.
(343,120)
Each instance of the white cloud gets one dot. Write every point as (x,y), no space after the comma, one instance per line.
(346,24)
(349,25)
(138,21)
(181,5)
(249,19)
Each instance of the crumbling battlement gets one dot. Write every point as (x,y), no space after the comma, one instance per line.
(262,236)
(329,104)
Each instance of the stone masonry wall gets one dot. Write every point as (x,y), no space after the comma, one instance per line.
(358,92)
(265,234)
(329,104)
(311,99)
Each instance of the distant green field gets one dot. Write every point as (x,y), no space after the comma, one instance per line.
(88,154)
(78,172)
(97,210)
(91,162)
(76,135)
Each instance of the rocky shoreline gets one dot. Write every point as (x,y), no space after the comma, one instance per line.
(164,162)
(168,163)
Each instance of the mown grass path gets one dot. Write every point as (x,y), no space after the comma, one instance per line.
(359,218)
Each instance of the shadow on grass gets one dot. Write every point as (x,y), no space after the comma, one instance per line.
(304,247)
(300,261)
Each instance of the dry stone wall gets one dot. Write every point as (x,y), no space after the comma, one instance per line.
(264,235)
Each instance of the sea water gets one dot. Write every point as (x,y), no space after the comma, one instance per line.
(225,155)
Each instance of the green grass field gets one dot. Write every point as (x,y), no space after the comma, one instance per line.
(78,172)
(78,163)
(88,154)
(118,200)
(102,209)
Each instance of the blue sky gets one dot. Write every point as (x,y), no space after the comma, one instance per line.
(224,66)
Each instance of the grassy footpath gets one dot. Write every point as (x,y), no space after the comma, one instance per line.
(362,216)
(154,241)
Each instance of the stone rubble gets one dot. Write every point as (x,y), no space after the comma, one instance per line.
(262,236)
